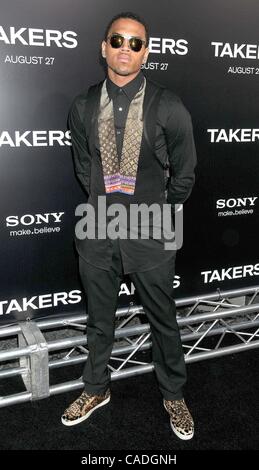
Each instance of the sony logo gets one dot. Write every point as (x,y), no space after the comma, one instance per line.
(29,219)
(236,202)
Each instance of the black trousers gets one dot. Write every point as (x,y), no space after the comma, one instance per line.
(155,289)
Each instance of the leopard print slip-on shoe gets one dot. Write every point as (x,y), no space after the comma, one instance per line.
(181,420)
(83,407)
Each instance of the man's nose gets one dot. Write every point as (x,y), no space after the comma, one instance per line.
(125,45)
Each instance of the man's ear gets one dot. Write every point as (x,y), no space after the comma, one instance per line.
(145,55)
(103,49)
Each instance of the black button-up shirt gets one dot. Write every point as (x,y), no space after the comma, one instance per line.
(121,97)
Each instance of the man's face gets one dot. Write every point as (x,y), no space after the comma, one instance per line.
(123,61)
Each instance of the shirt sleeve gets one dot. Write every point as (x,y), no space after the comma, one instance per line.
(81,154)
(181,152)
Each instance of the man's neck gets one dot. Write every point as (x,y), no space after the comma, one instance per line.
(121,80)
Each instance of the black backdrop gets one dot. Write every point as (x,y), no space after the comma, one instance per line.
(49,52)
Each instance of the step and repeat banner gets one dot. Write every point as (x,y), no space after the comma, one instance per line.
(208,53)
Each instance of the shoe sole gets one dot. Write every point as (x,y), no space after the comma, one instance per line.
(177,433)
(83,418)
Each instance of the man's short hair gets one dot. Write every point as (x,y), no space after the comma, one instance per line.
(131,16)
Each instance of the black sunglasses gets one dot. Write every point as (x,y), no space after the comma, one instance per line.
(117,40)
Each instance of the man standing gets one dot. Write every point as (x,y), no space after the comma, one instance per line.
(126,131)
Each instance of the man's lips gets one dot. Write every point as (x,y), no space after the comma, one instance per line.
(123,58)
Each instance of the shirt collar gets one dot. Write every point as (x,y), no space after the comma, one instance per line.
(130,89)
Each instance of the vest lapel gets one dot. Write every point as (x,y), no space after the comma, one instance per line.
(91,120)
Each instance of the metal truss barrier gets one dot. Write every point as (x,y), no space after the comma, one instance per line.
(211,325)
